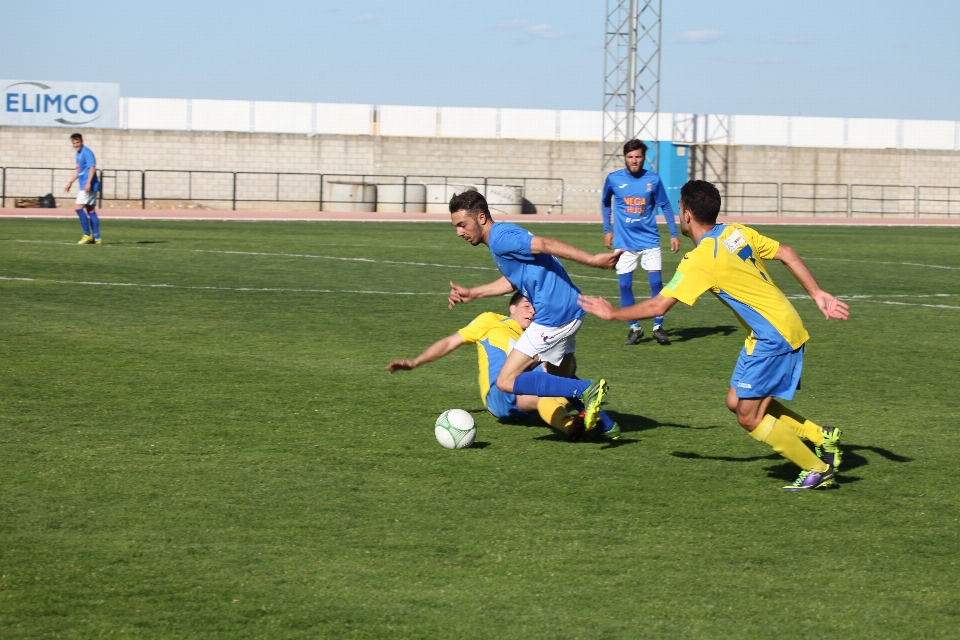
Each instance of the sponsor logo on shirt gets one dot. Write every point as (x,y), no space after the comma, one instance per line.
(649,186)
(634,205)
(744,385)
(623,185)
(735,241)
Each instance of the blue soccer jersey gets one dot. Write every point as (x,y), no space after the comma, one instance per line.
(539,277)
(634,201)
(86,160)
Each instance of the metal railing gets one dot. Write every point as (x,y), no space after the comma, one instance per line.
(162,188)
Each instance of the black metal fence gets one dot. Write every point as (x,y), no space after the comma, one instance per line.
(162,188)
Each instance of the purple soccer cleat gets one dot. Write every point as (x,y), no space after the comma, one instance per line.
(813,480)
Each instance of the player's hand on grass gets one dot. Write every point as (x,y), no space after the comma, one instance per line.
(606,260)
(597,306)
(401,365)
(458,295)
(831,307)
(674,244)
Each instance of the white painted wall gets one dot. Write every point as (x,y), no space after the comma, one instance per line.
(531,124)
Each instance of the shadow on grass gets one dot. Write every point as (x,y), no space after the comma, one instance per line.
(788,471)
(150,242)
(629,423)
(480,445)
(692,333)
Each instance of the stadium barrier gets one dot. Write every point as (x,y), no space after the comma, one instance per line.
(166,188)
(532,124)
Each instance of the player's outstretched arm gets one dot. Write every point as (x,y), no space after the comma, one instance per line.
(829,305)
(463,295)
(435,351)
(561,249)
(649,308)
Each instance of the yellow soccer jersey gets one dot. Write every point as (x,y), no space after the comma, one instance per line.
(495,336)
(728,262)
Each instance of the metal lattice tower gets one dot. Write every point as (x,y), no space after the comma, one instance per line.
(631,78)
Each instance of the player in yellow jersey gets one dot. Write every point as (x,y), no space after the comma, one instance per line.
(728,262)
(495,336)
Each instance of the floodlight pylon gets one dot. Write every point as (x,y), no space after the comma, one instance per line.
(631,78)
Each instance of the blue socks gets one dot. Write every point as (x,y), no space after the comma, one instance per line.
(626,293)
(656,284)
(84,222)
(540,383)
(95,223)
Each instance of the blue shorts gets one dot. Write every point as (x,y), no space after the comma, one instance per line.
(762,376)
(503,405)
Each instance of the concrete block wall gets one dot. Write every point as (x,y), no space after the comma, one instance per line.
(576,162)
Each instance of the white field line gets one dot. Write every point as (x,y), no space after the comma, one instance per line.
(314,257)
(903,264)
(447,266)
(858,298)
(178,286)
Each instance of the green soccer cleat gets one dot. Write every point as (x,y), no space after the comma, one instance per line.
(613,433)
(829,450)
(86,240)
(591,399)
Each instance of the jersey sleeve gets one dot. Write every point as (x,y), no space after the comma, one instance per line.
(766,247)
(606,202)
(664,203)
(694,276)
(481,325)
(514,242)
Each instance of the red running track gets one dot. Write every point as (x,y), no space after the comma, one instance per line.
(264,216)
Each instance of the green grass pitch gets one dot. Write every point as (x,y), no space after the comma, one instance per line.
(226,456)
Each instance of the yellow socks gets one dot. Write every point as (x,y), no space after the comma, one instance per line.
(800,425)
(556,413)
(785,442)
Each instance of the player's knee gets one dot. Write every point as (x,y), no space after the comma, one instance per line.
(732,400)
(505,383)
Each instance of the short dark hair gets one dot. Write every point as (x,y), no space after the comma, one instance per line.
(472,202)
(516,298)
(77,136)
(633,145)
(702,199)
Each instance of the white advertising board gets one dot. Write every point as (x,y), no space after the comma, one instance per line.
(36,103)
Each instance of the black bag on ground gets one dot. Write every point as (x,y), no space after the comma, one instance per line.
(48,201)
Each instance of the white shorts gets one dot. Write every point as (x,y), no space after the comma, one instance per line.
(87,199)
(650,259)
(550,343)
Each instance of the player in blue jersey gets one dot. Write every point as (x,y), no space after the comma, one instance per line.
(529,264)
(632,195)
(87,179)
(495,336)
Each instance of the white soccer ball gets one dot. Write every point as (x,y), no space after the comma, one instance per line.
(455,429)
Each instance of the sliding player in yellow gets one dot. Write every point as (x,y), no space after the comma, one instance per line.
(728,262)
(495,336)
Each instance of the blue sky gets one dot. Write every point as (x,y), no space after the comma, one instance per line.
(854,58)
